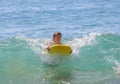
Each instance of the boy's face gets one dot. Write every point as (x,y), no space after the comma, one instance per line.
(57,39)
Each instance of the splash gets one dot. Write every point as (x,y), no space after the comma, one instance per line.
(39,45)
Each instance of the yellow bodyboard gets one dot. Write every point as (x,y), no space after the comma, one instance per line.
(60,49)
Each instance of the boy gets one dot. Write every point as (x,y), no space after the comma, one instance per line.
(56,40)
(57,36)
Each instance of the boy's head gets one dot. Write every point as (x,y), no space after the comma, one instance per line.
(57,37)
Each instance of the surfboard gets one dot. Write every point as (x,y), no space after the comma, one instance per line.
(60,49)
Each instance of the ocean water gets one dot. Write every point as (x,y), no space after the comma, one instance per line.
(90,27)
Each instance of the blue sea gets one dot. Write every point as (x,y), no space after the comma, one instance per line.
(90,27)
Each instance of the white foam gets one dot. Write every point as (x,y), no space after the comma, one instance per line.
(36,45)
(39,45)
(115,68)
(77,43)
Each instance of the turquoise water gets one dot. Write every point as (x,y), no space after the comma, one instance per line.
(90,27)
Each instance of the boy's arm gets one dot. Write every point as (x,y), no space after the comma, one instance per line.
(48,48)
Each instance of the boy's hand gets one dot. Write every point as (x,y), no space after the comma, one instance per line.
(48,48)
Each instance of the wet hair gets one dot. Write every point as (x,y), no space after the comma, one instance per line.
(57,33)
